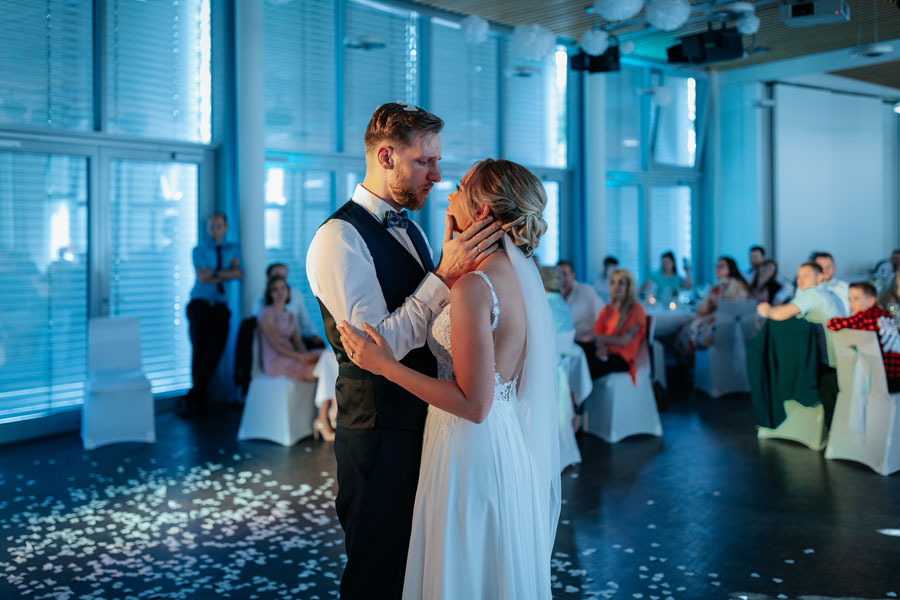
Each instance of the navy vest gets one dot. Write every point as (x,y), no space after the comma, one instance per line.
(366,400)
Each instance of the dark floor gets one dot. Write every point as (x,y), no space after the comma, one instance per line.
(705,512)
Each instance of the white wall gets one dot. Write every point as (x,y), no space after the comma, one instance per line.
(834,178)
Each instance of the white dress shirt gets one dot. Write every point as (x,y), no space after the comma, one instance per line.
(586,306)
(342,275)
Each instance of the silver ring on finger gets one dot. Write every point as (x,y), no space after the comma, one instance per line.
(477,249)
(351,354)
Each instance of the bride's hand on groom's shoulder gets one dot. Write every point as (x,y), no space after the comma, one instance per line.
(465,252)
(367,349)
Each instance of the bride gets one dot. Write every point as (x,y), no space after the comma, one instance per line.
(487,501)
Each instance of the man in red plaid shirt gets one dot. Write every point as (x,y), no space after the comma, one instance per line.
(869,316)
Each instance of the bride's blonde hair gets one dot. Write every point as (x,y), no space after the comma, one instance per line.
(514,196)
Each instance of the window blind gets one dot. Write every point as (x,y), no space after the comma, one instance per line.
(533,109)
(622,227)
(297,202)
(380,64)
(464,92)
(623,119)
(47,56)
(43,283)
(158,69)
(300,70)
(670,224)
(153,218)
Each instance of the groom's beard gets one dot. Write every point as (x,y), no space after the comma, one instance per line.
(407,197)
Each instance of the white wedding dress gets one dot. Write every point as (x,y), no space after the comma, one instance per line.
(479,529)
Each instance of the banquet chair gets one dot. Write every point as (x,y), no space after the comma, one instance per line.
(277,409)
(118,405)
(617,408)
(722,368)
(866,423)
(569,368)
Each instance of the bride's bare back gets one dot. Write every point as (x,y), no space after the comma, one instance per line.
(477,351)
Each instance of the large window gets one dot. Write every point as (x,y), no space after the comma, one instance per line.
(381,64)
(43,283)
(622,227)
(300,88)
(464,92)
(153,218)
(158,69)
(45,48)
(297,202)
(653,124)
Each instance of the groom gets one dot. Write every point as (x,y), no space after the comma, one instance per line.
(369,262)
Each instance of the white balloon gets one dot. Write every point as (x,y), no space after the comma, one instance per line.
(617,10)
(668,15)
(474,29)
(532,42)
(747,24)
(626,47)
(595,42)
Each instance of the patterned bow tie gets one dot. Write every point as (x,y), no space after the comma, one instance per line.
(396,219)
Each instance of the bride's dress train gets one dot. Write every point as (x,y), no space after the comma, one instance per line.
(479,529)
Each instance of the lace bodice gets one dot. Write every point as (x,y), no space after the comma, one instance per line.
(439,344)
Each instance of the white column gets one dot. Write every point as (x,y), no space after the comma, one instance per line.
(250,111)
(595,172)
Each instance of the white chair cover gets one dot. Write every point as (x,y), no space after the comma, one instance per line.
(803,424)
(866,423)
(277,409)
(722,368)
(617,408)
(118,404)
(326,373)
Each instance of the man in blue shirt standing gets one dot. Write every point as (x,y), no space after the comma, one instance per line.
(217,264)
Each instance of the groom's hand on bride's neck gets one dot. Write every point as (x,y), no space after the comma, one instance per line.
(465,252)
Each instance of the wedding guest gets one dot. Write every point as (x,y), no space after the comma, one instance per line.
(295,306)
(813,301)
(757,256)
(839,287)
(895,260)
(666,283)
(559,309)
(765,285)
(282,349)
(890,295)
(730,285)
(870,316)
(614,344)
(601,283)
(581,298)
(217,264)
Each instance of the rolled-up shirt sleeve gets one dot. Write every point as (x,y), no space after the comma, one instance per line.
(342,276)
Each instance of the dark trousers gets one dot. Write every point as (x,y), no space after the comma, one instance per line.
(377,473)
(208,331)
(599,368)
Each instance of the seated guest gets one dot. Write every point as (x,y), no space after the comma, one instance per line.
(840,288)
(869,316)
(666,283)
(730,285)
(895,260)
(581,298)
(560,311)
(813,301)
(890,295)
(614,344)
(765,285)
(601,284)
(757,256)
(295,306)
(282,349)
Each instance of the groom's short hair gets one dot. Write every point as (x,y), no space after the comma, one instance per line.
(397,123)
